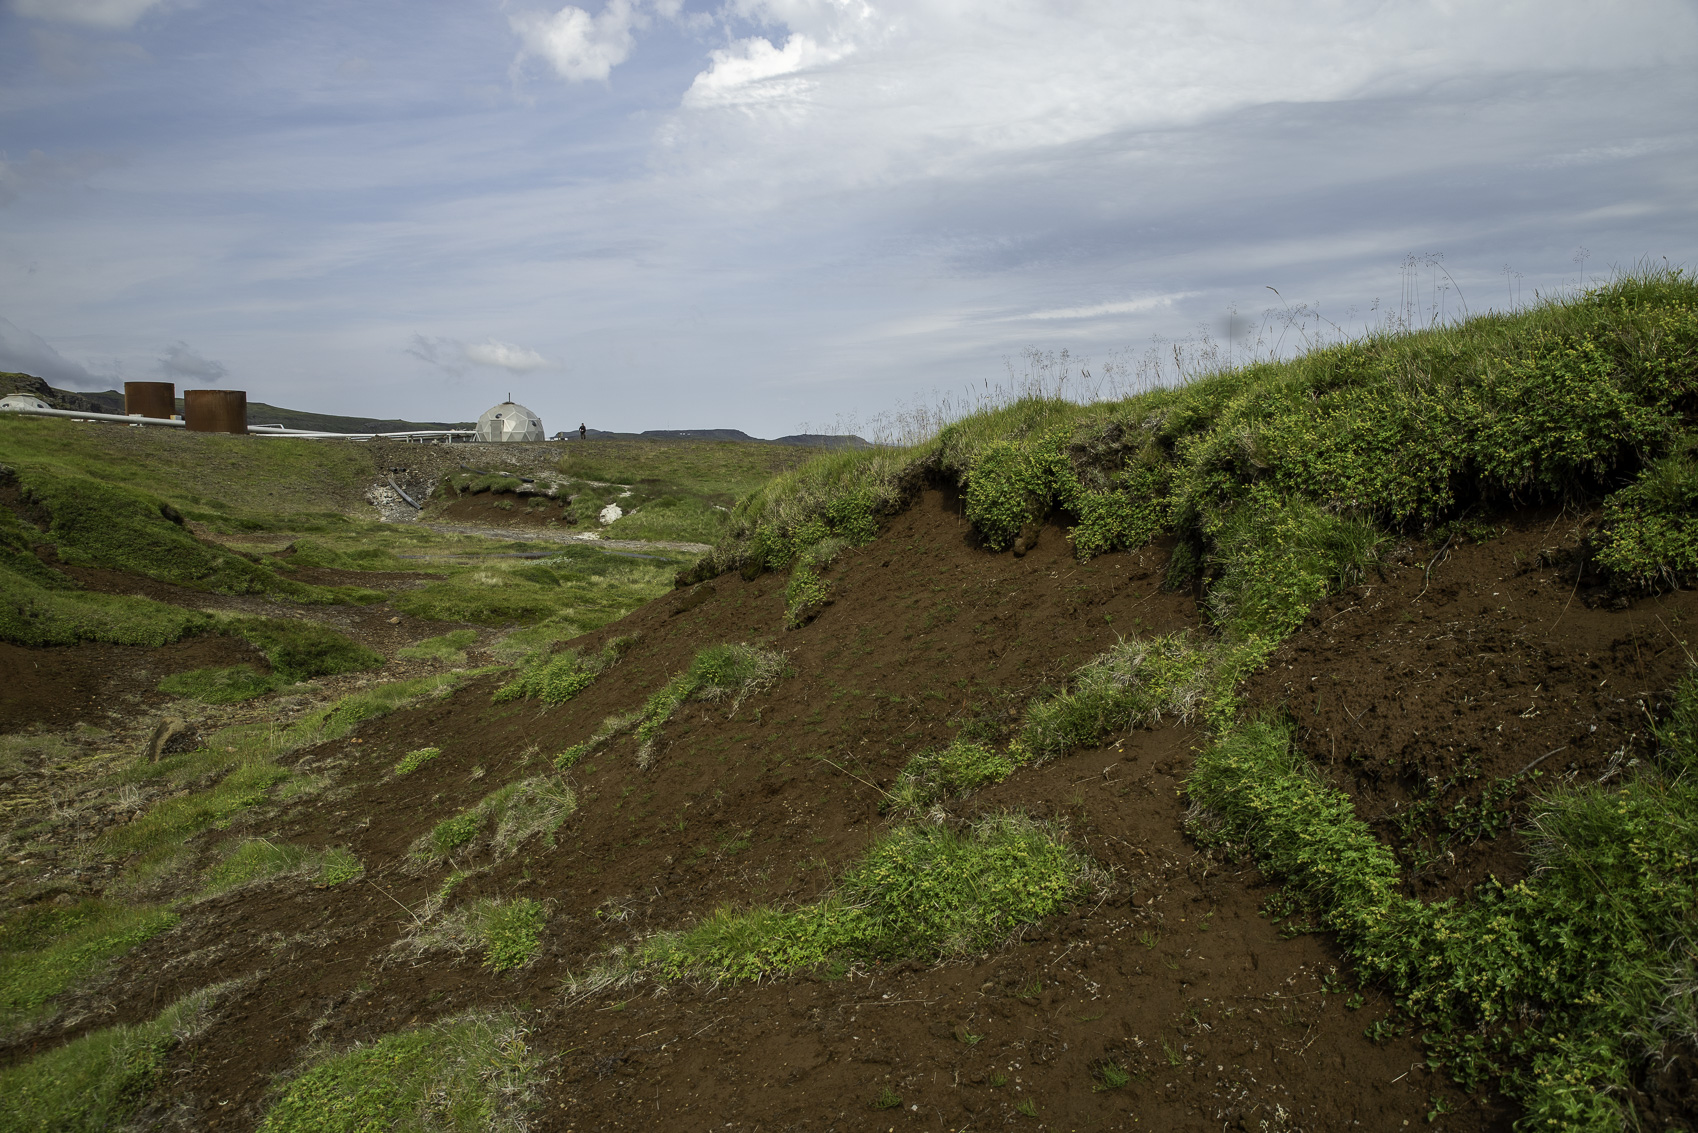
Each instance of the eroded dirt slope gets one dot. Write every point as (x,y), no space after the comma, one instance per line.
(1224,1022)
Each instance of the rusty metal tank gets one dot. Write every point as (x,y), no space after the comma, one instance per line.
(215,410)
(150,399)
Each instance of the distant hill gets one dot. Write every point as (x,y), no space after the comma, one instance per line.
(259,413)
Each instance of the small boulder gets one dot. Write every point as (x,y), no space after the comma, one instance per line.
(610,513)
(170,735)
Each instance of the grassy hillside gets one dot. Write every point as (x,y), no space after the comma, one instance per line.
(1310,746)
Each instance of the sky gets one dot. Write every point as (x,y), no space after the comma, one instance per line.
(784,214)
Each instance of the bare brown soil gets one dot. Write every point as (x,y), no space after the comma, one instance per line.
(1224,1022)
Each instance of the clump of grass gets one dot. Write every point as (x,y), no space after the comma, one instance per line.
(1109,1075)
(563,676)
(719,672)
(949,772)
(471,1073)
(508,933)
(583,587)
(449,648)
(414,760)
(924,892)
(260,859)
(1138,681)
(98,1080)
(229,685)
(46,950)
(300,649)
(500,822)
(19,751)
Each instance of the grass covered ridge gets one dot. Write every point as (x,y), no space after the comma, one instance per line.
(1585,395)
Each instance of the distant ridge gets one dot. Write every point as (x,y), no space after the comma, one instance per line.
(259,413)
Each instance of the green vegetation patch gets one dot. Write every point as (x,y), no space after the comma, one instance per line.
(923,892)
(563,676)
(97,1081)
(300,649)
(508,933)
(1403,430)
(45,950)
(584,587)
(500,822)
(260,859)
(414,760)
(449,648)
(472,1073)
(719,672)
(1558,986)
(35,615)
(948,773)
(1136,682)
(228,685)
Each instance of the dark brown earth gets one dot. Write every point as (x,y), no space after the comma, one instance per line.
(1225,1023)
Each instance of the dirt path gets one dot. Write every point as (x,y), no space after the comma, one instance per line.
(546,535)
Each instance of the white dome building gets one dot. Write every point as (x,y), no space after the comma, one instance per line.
(509,421)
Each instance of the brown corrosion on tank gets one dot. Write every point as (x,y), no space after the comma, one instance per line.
(216,410)
(150,399)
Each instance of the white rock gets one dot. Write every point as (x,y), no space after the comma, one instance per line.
(610,513)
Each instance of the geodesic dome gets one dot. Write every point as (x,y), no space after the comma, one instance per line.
(509,421)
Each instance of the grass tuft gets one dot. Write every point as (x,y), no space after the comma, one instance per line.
(472,1073)
(47,950)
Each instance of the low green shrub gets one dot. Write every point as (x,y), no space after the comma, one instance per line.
(561,677)
(1135,683)
(300,649)
(1649,533)
(471,1073)
(1552,985)
(35,615)
(508,933)
(260,859)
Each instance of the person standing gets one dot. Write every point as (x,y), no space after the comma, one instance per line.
(583,432)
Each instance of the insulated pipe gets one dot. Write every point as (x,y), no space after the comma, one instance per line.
(81,416)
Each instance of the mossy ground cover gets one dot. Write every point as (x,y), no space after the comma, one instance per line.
(97,1082)
(472,1073)
(46,950)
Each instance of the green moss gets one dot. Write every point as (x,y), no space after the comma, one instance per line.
(472,1073)
(35,615)
(44,951)
(300,649)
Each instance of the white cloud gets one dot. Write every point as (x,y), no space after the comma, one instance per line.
(1123,307)
(181,363)
(744,72)
(108,15)
(23,351)
(581,47)
(505,356)
(455,357)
